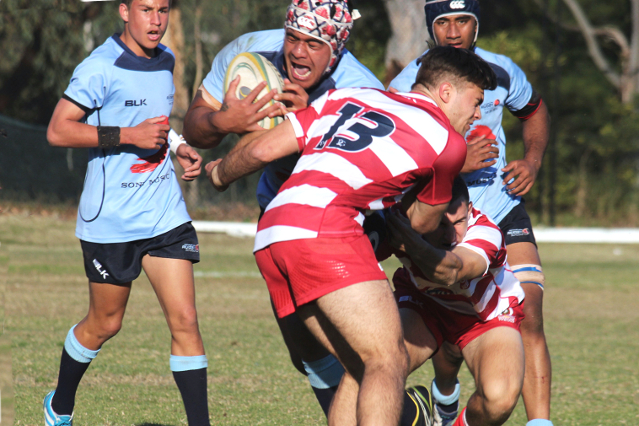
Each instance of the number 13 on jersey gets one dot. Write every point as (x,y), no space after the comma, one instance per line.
(353,132)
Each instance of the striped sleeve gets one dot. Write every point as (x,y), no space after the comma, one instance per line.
(485,238)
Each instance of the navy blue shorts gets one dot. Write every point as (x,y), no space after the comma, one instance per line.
(516,226)
(120,263)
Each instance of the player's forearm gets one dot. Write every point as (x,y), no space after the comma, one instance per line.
(536,132)
(439,266)
(200,130)
(241,161)
(72,134)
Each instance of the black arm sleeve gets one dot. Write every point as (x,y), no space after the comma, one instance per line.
(531,107)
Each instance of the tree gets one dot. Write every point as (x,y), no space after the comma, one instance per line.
(624,74)
(404,45)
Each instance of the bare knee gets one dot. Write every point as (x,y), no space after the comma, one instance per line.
(184,321)
(104,329)
(392,359)
(499,400)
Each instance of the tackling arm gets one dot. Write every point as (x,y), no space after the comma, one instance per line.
(440,266)
(251,153)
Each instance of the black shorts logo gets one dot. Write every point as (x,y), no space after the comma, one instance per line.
(193,248)
(99,268)
(519,232)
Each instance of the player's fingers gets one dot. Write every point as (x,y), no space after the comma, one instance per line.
(526,189)
(280,112)
(292,87)
(160,119)
(520,182)
(393,90)
(232,88)
(192,173)
(508,178)
(263,101)
(197,160)
(250,98)
(286,97)
(266,112)
(490,154)
(186,177)
(509,167)
(476,140)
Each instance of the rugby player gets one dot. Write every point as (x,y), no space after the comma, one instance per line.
(456,286)
(361,149)
(310,54)
(496,187)
(132,215)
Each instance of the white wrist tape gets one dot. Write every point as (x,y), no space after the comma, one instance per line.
(175,140)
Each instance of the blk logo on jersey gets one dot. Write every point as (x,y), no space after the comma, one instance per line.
(151,162)
(135,103)
(101,271)
(355,133)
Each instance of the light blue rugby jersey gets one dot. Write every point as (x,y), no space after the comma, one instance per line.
(129,193)
(513,91)
(348,73)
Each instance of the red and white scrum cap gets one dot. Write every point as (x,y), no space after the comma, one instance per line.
(327,20)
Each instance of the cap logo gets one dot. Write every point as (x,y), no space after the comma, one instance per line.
(457,4)
(306,22)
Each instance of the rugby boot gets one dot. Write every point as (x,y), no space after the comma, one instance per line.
(422,397)
(51,418)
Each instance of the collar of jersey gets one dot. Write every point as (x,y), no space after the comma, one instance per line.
(118,40)
(419,96)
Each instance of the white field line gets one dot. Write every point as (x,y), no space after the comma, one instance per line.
(543,235)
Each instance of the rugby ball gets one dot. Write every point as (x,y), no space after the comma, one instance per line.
(253,69)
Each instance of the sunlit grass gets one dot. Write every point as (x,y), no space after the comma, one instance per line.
(591,312)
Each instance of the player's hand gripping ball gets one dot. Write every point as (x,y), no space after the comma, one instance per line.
(253,69)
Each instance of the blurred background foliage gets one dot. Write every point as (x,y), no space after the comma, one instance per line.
(591,170)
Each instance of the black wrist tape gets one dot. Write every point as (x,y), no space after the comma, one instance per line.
(108,136)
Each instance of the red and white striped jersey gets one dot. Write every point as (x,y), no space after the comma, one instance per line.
(487,296)
(361,149)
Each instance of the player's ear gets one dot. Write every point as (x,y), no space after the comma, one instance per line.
(470,208)
(124,12)
(446,91)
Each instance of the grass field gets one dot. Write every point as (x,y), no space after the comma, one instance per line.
(591,314)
